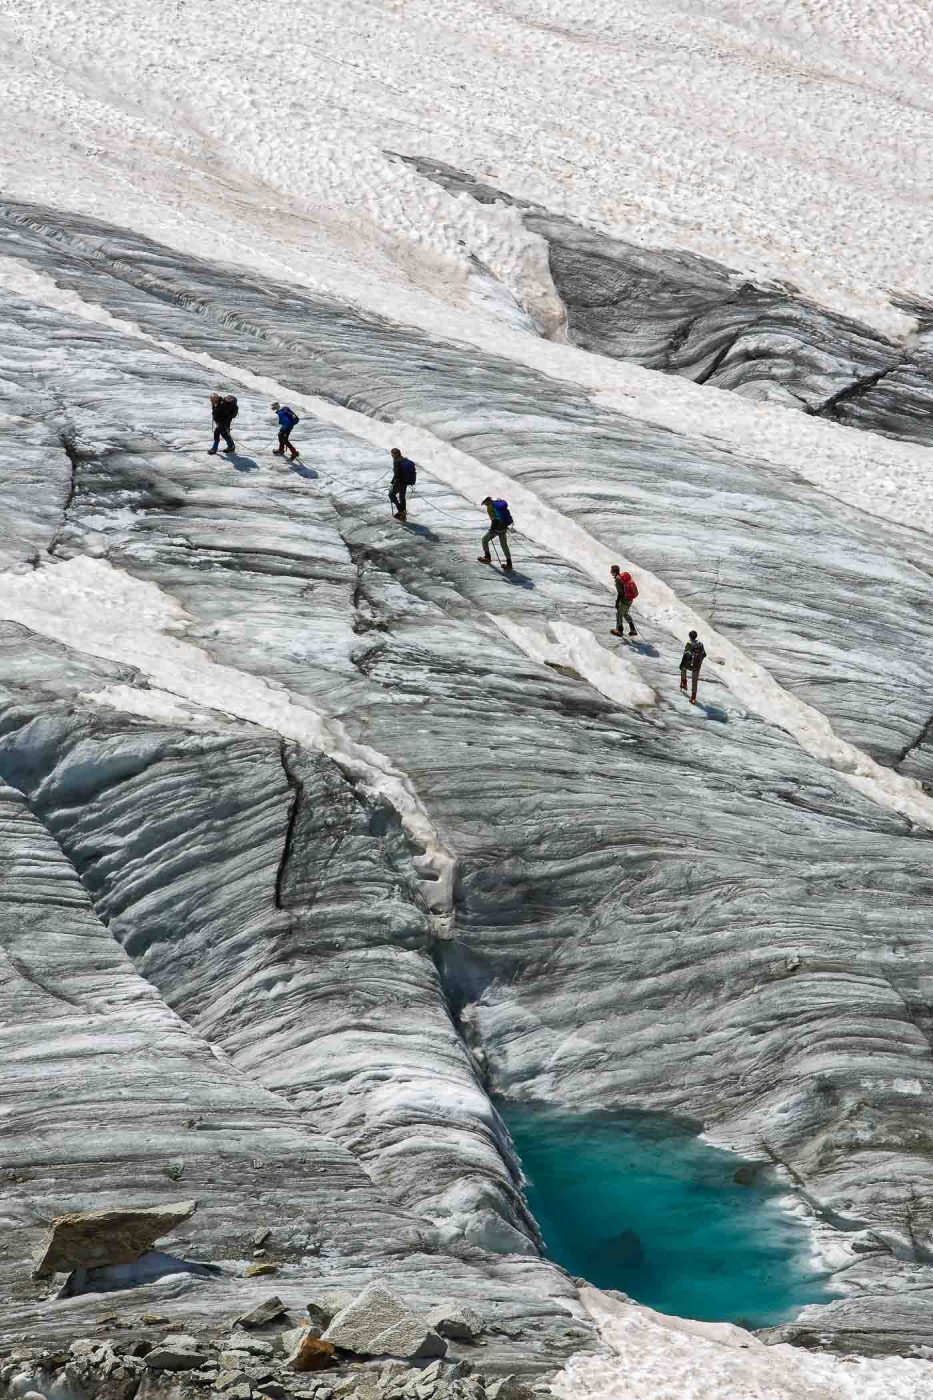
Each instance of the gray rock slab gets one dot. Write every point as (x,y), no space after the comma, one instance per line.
(176,1352)
(90,1239)
(378,1324)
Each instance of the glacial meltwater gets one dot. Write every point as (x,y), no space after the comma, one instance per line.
(638,1204)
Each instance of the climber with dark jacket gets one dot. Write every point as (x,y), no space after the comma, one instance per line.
(692,659)
(626,593)
(404,474)
(288,419)
(224,410)
(500,518)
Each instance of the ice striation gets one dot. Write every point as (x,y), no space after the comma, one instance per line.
(240,986)
(675,311)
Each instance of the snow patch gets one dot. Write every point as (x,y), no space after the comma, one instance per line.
(614,676)
(648,1356)
(149,703)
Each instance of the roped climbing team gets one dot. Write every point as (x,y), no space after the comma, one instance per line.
(224,409)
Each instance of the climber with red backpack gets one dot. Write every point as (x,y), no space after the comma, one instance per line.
(500,518)
(626,593)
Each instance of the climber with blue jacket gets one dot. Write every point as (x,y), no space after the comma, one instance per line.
(288,419)
(500,518)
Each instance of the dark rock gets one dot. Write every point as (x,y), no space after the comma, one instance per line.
(325,1306)
(264,1312)
(627,1248)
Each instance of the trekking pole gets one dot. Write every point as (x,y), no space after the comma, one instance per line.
(496,548)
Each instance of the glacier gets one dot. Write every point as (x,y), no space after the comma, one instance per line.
(322,842)
(612,861)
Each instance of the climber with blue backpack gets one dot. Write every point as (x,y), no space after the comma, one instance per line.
(288,419)
(404,474)
(500,518)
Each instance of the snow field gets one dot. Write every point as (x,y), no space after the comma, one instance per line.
(766,140)
(772,141)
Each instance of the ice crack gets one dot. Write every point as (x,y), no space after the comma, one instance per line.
(93,607)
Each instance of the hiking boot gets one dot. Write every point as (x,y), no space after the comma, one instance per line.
(693,699)
(294,457)
(632,632)
(212,452)
(278,451)
(507,567)
(484,558)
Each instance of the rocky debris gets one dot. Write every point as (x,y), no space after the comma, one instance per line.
(377,1323)
(185,1367)
(95,1238)
(176,1352)
(87,1368)
(259,1270)
(509,1388)
(459,1324)
(263,1313)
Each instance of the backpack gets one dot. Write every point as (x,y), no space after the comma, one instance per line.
(408,471)
(631,589)
(234,407)
(503,514)
(292,416)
